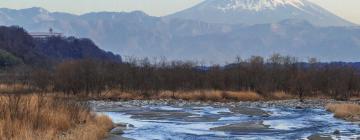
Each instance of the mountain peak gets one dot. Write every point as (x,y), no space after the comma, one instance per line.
(257,5)
(250,12)
(36,10)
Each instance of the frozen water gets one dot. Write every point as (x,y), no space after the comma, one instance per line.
(284,123)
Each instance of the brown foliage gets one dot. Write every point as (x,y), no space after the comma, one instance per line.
(281,95)
(278,73)
(345,111)
(196,95)
(33,117)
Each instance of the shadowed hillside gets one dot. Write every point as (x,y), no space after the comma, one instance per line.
(15,43)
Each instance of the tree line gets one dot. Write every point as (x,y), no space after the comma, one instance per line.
(264,76)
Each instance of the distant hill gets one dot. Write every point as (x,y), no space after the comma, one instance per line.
(15,43)
(137,34)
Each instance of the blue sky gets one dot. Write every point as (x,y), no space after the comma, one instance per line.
(348,9)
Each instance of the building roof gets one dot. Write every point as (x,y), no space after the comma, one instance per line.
(44,34)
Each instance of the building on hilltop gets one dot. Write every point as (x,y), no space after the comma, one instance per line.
(45,35)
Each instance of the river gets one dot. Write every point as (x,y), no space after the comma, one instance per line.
(213,122)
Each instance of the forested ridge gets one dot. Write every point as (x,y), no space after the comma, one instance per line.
(39,52)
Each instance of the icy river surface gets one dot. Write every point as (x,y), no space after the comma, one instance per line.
(171,122)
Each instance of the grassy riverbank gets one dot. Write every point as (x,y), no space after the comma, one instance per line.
(28,115)
(196,95)
(204,95)
(350,112)
(33,117)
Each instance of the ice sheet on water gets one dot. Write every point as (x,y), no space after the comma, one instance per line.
(207,110)
(285,124)
(168,108)
(162,129)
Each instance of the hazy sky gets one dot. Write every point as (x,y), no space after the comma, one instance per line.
(348,9)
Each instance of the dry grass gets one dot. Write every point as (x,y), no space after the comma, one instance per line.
(196,95)
(93,130)
(345,111)
(281,95)
(31,117)
(244,96)
(212,95)
(15,88)
(205,95)
(117,94)
(199,95)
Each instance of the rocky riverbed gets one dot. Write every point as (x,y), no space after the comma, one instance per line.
(177,119)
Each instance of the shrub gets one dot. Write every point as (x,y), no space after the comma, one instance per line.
(346,111)
(281,95)
(243,96)
(33,117)
(7,59)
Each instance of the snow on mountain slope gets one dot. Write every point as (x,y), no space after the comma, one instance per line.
(252,12)
(258,5)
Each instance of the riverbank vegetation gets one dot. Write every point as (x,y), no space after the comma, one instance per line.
(349,112)
(278,77)
(196,95)
(39,101)
(34,117)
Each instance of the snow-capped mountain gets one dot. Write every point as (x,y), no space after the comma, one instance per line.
(140,35)
(252,12)
(258,5)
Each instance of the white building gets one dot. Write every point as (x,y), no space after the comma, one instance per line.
(44,35)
